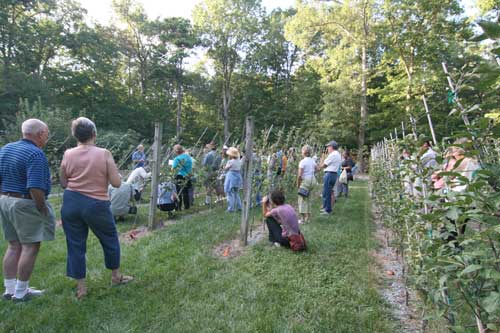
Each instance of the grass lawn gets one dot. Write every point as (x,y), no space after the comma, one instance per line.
(181,286)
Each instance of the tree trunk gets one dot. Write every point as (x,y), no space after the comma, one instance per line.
(364,108)
(226,101)
(179,109)
(179,99)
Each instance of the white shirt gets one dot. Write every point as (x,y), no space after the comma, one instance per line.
(333,161)
(137,178)
(429,158)
(308,165)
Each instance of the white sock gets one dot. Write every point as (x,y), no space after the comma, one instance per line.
(21,289)
(10,286)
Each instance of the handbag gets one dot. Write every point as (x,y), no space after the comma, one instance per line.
(297,242)
(343,177)
(303,192)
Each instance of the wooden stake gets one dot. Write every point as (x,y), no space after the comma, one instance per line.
(155,169)
(430,120)
(247,181)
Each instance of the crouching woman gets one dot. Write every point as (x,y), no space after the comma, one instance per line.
(282,222)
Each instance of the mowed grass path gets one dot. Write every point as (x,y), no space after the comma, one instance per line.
(182,287)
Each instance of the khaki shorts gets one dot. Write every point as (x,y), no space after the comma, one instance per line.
(22,222)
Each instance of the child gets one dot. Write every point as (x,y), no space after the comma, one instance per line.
(282,222)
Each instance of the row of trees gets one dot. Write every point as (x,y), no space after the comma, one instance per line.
(348,70)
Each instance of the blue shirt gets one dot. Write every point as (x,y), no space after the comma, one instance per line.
(209,161)
(137,156)
(183,164)
(165,191)
(23,166)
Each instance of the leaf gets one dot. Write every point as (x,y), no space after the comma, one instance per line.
(492,302)
(453,213)
(491,29)
(473,108)
(453,111)
(471,269)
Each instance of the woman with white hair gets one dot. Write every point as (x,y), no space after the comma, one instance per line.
(86,172)
(233,181)
(306,181)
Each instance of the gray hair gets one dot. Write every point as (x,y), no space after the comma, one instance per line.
(33,126)
(307,150)
(83,129)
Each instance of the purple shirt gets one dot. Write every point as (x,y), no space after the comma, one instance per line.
(286,216)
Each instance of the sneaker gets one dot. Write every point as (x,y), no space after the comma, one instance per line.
(30,293)
(301,222)
(324,213)
(276,244)
(7,297)
(322,210)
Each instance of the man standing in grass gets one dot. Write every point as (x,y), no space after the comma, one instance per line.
(331,165)
(27,218)
(210,163)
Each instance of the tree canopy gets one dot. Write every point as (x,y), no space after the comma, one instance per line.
(350,70)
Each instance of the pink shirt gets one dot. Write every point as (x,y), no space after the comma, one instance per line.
(88,170)
(286,216)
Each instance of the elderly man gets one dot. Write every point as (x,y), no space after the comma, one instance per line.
(138,157)
(182,166)
(27,218)
(211,163)
(331,164)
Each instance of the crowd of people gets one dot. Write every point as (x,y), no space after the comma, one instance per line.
(95,196)
(458,167)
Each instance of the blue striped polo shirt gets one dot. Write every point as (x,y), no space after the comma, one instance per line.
(23,166)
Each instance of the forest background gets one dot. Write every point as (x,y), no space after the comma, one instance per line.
(351,70)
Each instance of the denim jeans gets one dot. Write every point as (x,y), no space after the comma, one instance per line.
(233,200)
(79,213)
(275,230)
(329,180)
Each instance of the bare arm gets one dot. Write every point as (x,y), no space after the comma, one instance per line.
(63,178)
(113,174)
(39,197)
(299,176)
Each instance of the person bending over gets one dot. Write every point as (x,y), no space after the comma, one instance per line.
(281,219)
(121,198)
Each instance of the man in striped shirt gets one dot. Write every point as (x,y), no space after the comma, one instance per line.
(27,218)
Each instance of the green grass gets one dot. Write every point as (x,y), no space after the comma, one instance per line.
(181,286)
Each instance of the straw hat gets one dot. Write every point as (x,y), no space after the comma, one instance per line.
(233,152)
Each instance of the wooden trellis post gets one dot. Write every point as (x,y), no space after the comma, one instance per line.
(247,181)
(155,169)
(430,120)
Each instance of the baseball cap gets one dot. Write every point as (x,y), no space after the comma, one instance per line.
(333,144)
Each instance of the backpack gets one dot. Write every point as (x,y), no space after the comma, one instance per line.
(297,242)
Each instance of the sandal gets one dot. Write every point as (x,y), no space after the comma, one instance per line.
(124,279)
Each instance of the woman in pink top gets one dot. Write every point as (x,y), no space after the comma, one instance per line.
(86,172)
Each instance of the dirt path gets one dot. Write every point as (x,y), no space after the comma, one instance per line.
(393,284)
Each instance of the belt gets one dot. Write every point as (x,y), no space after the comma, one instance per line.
(330,171)
(16,195)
